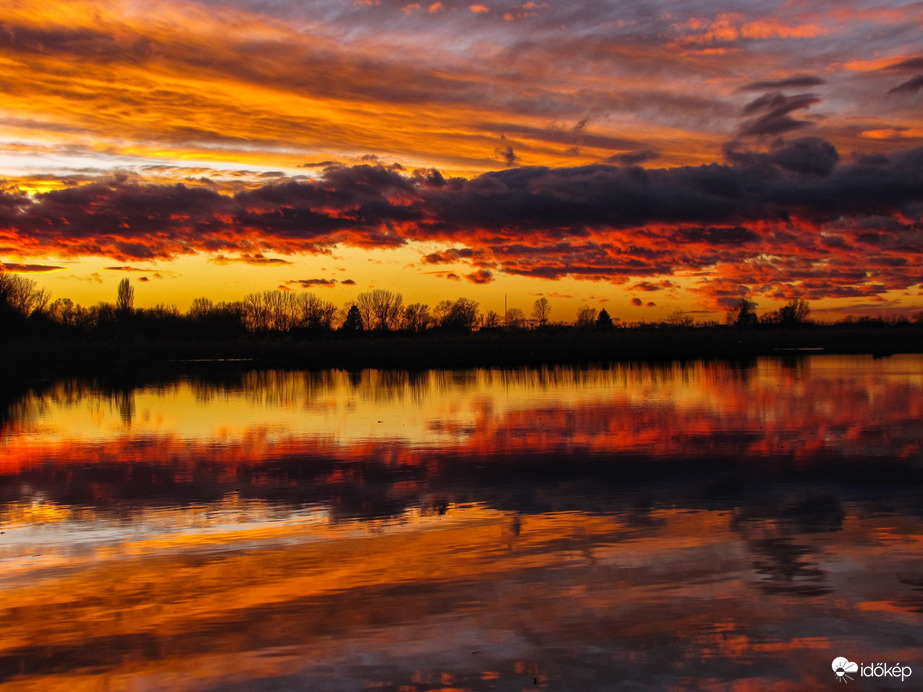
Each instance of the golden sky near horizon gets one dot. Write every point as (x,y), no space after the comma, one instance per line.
(643,157)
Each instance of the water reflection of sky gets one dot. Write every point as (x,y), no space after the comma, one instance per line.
(698,526)
(772,407)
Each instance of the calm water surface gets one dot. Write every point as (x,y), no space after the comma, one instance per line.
(640,527)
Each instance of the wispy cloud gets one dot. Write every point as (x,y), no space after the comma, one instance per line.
(255,259)
(536,139)
(310,283)
(17,268)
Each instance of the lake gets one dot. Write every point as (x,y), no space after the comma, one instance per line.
(688,526)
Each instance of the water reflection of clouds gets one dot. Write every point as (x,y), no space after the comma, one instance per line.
(689,525)
(694,409)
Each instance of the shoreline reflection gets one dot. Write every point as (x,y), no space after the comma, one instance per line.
(690,526)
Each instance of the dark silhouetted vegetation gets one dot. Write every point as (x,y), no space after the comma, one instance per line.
(378,330)
(353,322)
(744,314)
(541,311)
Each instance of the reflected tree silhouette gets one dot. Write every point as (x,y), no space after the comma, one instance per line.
(125,401)
(783,568)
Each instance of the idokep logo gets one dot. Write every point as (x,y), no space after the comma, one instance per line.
(842,667)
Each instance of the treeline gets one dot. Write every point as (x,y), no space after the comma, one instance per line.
(26,309)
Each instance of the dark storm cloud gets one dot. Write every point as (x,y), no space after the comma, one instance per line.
(359,204)
(633,158)
(808,155)
(735,235)
(796,200)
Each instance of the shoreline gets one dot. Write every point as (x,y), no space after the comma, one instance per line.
(25,360)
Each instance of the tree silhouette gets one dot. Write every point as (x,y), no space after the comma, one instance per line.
(441,311)
(541,310)
(744,314)
(492,320)
(794,312)
(586,317)
(353,322)
(603,321)
(515,318)
(269,311)
(459,316)
(21,295)
(63,312)
(125,302)
(314,314)
(417,318)
(678,318)
(380,309)
(200,309)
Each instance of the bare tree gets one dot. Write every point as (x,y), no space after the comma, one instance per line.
(255,313)
(125,302)
(41,298)
(492,320)
(22,295)
(541,311)
(63,312)
(200,309)
(380,309)
(441,311)
(586,317)
(515,318)
(678,318)
(417,318)
(313,313)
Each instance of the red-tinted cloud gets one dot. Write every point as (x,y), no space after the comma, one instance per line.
(481,276)
(793,219)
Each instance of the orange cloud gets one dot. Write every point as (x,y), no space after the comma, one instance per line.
(776,222)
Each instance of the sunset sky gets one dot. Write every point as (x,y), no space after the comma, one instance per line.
(641,156)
